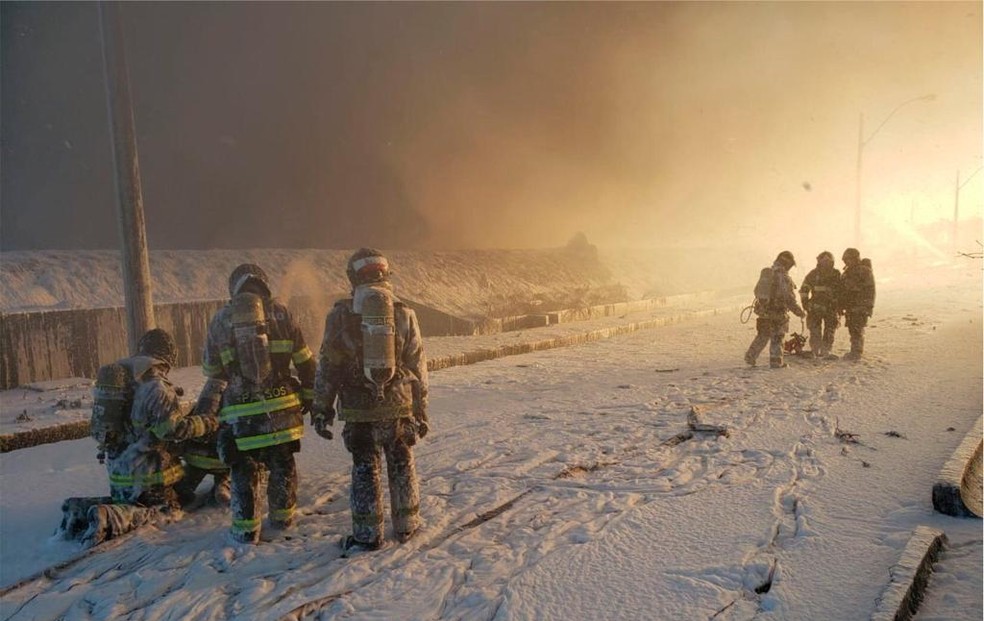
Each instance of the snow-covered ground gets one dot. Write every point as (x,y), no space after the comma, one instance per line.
(553,488)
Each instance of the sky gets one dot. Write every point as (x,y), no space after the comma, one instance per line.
(493,125)
(552,487)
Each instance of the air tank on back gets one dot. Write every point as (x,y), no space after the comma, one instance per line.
(252,343)
(375,304)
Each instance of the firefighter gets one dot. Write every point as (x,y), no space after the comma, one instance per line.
(818,294)
(775,296)
(250,346)
(856,299)
(201,459)
(372,364)
(144,463)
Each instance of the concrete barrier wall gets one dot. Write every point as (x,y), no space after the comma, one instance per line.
(74,343)
(49,345)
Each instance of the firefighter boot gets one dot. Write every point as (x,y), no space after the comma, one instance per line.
(98,530)
(222,489)
(405,537)
(777,363)
(351,545)
(75,515)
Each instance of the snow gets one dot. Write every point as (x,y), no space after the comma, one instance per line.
(464,283)
(552,488)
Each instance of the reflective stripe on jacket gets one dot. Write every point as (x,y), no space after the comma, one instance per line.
(205,462)
(340,373)
(281,421)
(170,476)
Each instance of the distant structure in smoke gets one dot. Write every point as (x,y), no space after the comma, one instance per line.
(579,245)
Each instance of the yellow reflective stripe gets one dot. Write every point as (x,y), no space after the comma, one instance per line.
(204,462)
(270,439)
(231,412)
(166,477)
(227,355)
(162,429)
(281,347)
(307,393)
(302,355)
(211,370)
(245,526)
(282,514)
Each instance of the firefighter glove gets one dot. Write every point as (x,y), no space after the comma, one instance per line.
(211,424)
(226,445)
(420,419)
(322,422)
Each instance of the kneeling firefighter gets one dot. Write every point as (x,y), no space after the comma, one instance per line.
(372,364)
(139,425)
(252,342)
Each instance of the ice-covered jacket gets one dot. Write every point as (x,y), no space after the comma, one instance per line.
(819,290)
(340,375)
(856,293)
(783,296)
(259,415)
(157,426)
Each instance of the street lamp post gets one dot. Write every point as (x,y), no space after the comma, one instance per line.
(956,205)
(862,142)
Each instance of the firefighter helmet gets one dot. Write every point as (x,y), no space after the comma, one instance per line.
(851,253)
(159,344)
(786,257)
(825,255)
(367,265)
(248,273)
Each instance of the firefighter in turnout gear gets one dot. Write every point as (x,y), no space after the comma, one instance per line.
(856,299)
(142,446)
(201,459)
(775,296)
(819,296)
(372,365)
(250,346)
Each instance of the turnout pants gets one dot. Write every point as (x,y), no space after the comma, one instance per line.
(247,470)
(856,322)
(822,327)
(770,331)
(95,519)
(368,442)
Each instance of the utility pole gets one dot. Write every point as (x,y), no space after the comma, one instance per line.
(862,142)
(857,191)
(129,197)
(956,213)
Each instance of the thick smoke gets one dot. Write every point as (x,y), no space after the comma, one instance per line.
(442,125)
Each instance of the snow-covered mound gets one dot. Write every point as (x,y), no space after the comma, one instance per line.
(465,283)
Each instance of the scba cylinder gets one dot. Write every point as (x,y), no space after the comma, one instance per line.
(111,400)
(375,305)
(252,342)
